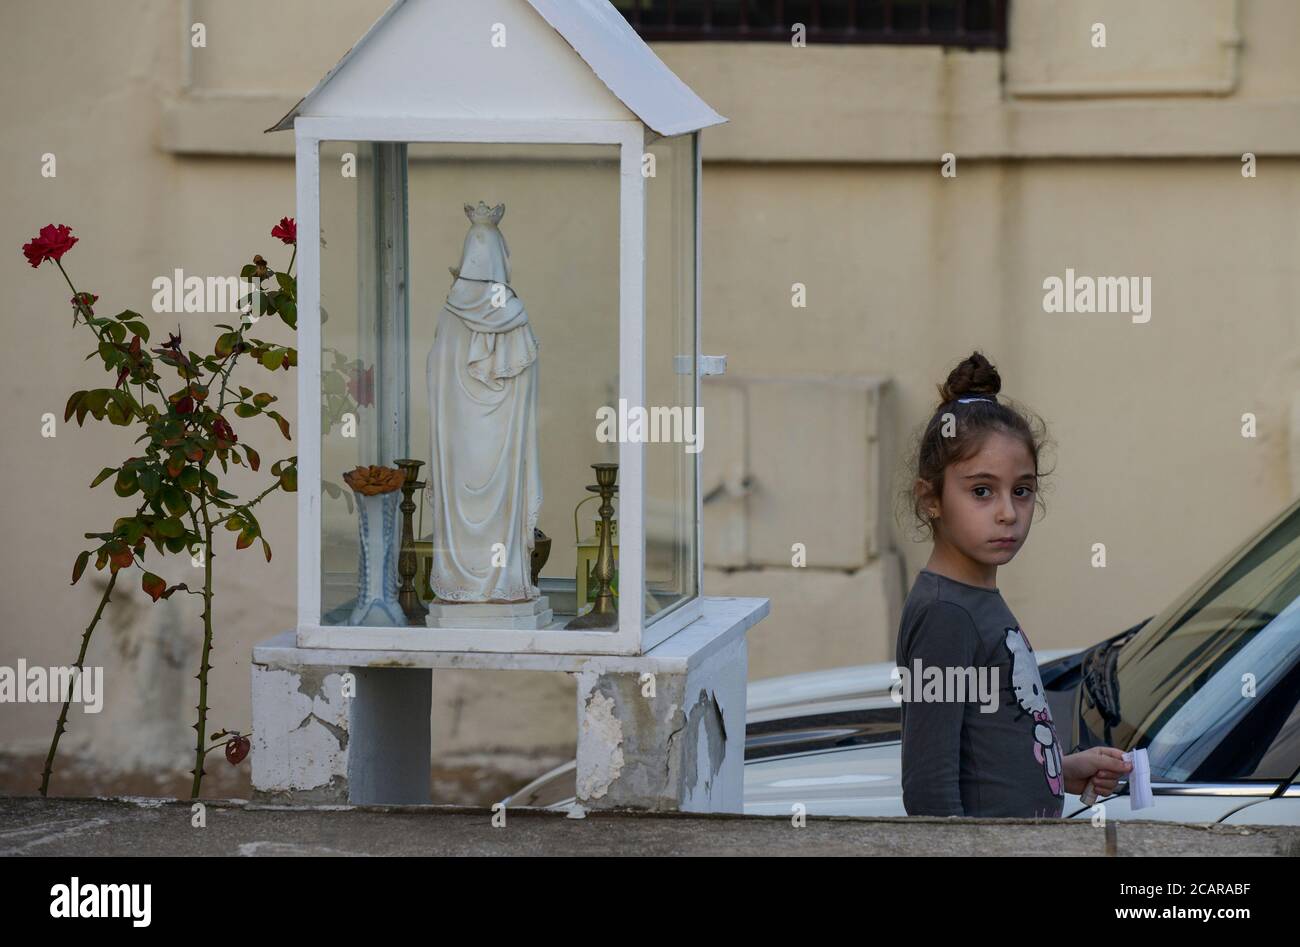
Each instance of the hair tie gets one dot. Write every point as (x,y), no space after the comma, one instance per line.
(968,400)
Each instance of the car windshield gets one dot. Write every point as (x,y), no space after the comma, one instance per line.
(1209,687)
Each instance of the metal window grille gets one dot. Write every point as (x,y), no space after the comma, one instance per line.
(970,23)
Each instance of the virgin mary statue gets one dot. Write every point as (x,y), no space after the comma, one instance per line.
(485,476)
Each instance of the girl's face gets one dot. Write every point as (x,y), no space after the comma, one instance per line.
(987,504)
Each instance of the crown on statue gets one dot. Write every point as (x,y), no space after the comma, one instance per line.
(482,214)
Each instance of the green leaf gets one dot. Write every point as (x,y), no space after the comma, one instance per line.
(125,408)
(139,328)
(245,392)
(133,532)
(175,499)
(226,343)
(95,401)
(149,482)
(127,315)
(288,312)
(127,483)
(266,549)
(289,479)
(245,539)
(287,283)
(80,565)
(247,410)
(248,271)
(170,528)
(189,478)
(73,401)
(117,332)
(103,475)
(273,358)
(262,399)
(284,425)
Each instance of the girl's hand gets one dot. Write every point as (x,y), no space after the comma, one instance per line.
(1104,765)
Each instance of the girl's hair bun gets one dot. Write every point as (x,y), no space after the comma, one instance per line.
(973,377)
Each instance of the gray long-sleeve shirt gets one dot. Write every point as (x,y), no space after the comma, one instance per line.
(957,758)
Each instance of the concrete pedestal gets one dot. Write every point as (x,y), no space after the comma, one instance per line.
(660,731)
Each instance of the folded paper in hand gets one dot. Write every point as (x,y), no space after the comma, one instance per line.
(1139,780)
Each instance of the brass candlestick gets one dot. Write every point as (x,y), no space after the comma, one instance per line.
(604,613)
(407,562)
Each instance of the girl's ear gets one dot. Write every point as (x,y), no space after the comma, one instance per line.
(925,493)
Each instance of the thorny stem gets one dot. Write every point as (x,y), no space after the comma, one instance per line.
(81,660)
(204,666)
(250,504)
(61,727)
(75,295)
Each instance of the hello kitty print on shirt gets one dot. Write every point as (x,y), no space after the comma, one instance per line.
(1028,688)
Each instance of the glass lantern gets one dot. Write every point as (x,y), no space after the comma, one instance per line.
(509,371)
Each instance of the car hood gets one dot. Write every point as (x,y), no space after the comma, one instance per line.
(836,689)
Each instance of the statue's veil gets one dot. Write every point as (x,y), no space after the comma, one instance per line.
(485,256)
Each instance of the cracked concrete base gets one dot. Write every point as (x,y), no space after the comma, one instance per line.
(660,742)
(662,731)
(315,741)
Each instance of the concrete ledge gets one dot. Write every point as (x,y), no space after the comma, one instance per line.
(154,827)
(722,621)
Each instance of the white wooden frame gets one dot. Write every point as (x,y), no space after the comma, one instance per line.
(630,637)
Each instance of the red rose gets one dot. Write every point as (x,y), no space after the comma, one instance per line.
(185,405)
(53,242)
(286,230)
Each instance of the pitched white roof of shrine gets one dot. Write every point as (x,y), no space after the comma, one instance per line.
(399,68)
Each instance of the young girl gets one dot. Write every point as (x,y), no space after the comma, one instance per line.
(975,487)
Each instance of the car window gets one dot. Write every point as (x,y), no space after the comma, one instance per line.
(1210,688)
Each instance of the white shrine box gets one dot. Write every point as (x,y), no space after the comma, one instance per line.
(556,111)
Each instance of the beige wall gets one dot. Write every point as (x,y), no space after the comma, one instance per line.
(1124,161)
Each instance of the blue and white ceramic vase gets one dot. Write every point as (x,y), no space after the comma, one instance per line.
(377,582)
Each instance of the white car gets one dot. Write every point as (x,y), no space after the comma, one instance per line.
(1210,687)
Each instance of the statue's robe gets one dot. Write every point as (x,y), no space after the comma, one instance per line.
(485,476)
